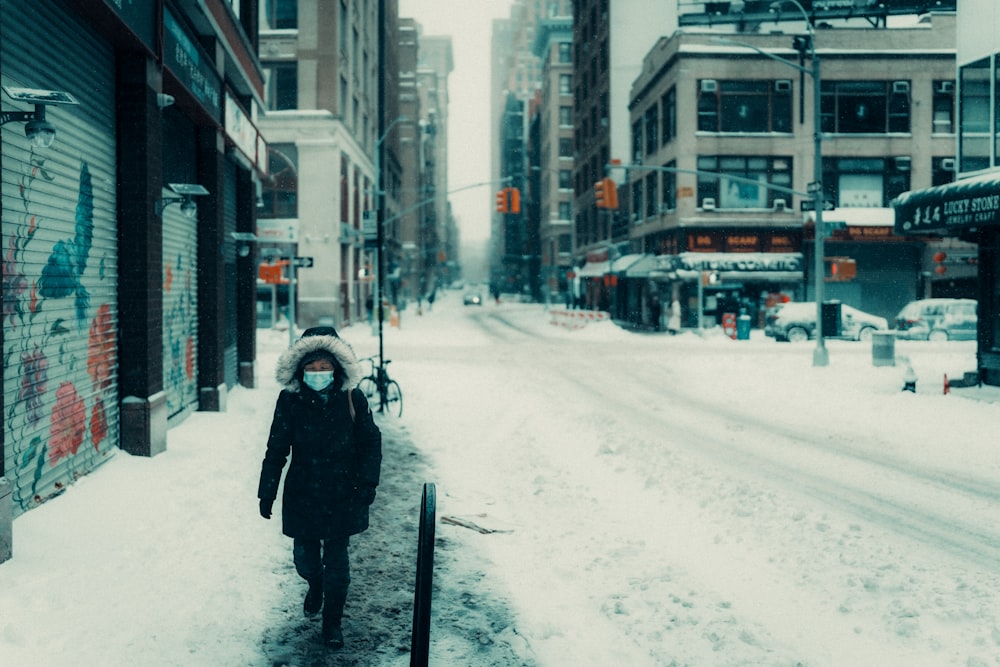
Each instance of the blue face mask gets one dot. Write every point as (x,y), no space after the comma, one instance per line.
(318,380)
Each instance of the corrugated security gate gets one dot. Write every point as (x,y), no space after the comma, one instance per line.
(229,257)
(60,256)
(180,309)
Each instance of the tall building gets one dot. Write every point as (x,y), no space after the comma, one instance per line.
(968,210)
(610,40)
(324,80)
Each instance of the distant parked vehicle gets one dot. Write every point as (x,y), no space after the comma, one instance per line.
(797,322)
(473,299)
(938,319)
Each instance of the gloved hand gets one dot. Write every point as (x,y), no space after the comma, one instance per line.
(367,494)
(265,507)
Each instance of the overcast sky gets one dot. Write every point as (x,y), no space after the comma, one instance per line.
(469,24)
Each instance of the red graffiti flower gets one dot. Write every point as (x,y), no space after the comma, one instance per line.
(189,358)
(34,376)
(101,348)
(69,423)
(98,423)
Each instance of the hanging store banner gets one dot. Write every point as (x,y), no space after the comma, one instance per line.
(183,56)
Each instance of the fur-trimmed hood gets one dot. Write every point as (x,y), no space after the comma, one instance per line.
(288,371)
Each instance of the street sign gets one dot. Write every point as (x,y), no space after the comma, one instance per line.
(303,262)
(809,205)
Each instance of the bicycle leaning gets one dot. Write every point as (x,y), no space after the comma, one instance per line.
(378,384)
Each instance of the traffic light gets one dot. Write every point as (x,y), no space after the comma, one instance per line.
(606,194)
(513,200)
(840,269)
(502,201)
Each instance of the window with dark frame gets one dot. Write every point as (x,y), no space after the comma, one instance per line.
(865,107)
(865,182)
(733,194)
(744,106)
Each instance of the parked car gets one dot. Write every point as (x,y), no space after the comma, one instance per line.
(938,319)
(797,322)
(473,299)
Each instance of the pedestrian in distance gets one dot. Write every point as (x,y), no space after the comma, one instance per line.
(674,321)
(323,422)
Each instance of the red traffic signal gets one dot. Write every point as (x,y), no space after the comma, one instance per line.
(502,201)
(840,269)
(513,200)
(606,194)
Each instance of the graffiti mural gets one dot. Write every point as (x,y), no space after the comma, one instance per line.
(60,391)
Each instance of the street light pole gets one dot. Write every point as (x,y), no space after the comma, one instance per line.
(820,355)
(380,240)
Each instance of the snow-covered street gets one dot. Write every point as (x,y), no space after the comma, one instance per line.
(654,500)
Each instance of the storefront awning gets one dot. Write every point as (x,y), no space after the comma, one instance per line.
(950,208)
(622,264)
(592,270)
(643,267)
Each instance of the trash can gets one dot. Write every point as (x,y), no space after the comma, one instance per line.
(743,325)
(883,348)
(831,319)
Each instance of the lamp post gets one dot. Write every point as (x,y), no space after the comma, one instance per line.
(820,355)
(380,239)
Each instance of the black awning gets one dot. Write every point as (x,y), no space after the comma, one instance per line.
(951,208)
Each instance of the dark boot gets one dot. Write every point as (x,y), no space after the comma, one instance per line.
(333,636)
(314,598)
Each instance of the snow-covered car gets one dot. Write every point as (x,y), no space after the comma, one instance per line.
(797,322)
(938,319)
(473,299)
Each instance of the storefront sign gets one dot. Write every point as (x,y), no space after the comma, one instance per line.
(972,202)
(195,71)
(278,230)
(240,129)
(748,262)
(140,17)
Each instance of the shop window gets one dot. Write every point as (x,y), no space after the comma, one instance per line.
(733,194)
(865,182)
(281,85)
(744,106)
(865,107)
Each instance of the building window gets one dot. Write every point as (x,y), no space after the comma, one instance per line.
(942,170)
(944,107)
(637,201)
(668,191)
(865,182)
(279,192)
(565,147)
(565,84)
(278,14)
(565,179)
(974,116)
(566,116)
(865,107)
(565,210)
(281,85)
(744,106)
(564,52)
(728,193)
(652,196)
(637,141)
(652,121)
(669,116)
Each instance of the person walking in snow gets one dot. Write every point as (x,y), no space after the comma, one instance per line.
(324,423)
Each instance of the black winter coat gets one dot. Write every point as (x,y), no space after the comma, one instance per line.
(335,461)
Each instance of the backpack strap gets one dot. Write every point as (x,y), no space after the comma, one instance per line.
(350,403)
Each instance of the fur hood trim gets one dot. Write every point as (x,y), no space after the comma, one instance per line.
(287,369)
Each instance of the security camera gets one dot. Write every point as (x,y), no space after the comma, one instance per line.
(40,133)
(163,100)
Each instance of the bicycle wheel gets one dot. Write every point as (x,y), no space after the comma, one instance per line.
(394,399)
(369,387)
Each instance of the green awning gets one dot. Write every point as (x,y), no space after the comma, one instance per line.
(950,208)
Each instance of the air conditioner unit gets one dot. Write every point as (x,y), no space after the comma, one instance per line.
(901,87)
(948,164)
(902,163)
(709,85)
(946,87)
(783,85)
(780,205)
(708,204)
